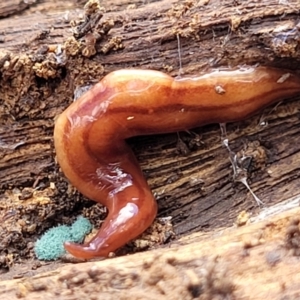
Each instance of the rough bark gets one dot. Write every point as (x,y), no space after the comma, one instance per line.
(45,60)
(258,261)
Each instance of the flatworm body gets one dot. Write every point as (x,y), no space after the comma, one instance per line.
(90,135)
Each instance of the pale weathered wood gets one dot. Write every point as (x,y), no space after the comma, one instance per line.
(255,261)
(10,7)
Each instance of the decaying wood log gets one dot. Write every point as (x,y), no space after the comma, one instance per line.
(258,261)
(45,60)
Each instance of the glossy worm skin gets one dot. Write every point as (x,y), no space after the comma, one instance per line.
(90,135)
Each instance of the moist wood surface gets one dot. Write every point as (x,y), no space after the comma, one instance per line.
(45,59)
(256,261)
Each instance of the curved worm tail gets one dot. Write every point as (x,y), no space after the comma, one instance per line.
(121,225)
(116,183)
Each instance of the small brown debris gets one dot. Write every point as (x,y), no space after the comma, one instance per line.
(293,237)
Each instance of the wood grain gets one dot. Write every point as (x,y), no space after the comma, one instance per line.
(251,262)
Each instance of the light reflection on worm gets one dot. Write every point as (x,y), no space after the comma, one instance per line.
(90,135)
